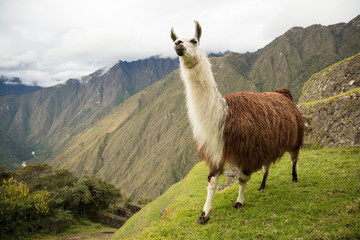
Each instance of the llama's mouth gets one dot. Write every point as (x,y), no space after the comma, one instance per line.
(180,51)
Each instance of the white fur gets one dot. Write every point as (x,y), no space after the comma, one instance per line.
(210,194)
(243,179)
(206,107)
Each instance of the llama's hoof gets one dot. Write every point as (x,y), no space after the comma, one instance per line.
(261,188)
(295,179)
(238,205)
(203,219)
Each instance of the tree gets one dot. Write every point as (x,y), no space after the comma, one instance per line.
(56,180)
(32,171)
(92,194)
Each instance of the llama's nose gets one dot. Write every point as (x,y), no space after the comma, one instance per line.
(179,46)
(177,43)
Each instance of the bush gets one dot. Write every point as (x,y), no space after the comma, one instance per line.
(92,194)
(59,221)
(4,174)
(56,180)
(21,212)
(49,200)
(144,201)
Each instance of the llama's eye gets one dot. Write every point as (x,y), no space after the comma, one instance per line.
(193,41)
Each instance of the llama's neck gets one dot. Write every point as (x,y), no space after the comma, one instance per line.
(202,95)
(206,107)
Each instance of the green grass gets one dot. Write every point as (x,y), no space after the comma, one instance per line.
(84,227)
(324,204)
(350,92)
(335,64)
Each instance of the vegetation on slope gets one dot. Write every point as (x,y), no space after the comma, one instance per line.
(350,92)
(37,199)
(12,153)
(324,204)
(333,80)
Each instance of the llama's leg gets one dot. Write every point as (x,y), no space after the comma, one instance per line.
(294,158)
(212,182)
(266,173)
(243,179)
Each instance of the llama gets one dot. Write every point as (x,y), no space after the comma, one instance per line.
(247,130)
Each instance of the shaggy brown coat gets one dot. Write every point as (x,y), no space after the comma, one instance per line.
(259,128)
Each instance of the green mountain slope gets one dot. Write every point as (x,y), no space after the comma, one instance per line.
(324,204)
(49,118)
(12,153)
(292,58)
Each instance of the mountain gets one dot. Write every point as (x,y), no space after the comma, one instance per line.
(292,58)
(12,152)
(142,142)
(48,118)
(15,86)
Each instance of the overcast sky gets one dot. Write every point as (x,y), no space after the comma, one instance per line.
(46,42)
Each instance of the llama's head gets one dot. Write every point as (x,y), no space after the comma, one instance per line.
(188,48)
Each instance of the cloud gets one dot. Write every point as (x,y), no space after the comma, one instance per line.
(20,61)
(50,41)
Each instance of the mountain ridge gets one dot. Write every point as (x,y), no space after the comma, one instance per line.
(52,115)
(15,86)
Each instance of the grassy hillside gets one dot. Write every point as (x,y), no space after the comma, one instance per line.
(324,204)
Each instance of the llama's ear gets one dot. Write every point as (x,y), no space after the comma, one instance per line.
(197,30)
(173,35)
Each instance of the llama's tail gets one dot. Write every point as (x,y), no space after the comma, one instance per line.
(285,92)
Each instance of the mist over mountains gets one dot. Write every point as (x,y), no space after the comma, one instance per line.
(15,86)
(128,123)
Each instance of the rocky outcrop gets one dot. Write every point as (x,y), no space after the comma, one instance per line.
(336,79)
(330,103)
(334,122)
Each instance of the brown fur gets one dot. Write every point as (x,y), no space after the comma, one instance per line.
(259,128)
(285,92)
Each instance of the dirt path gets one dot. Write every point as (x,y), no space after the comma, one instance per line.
(102,235)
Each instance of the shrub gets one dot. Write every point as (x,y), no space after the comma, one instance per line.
(59,221)
(48,200)
(21,212)
(92,194)
(144,201)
